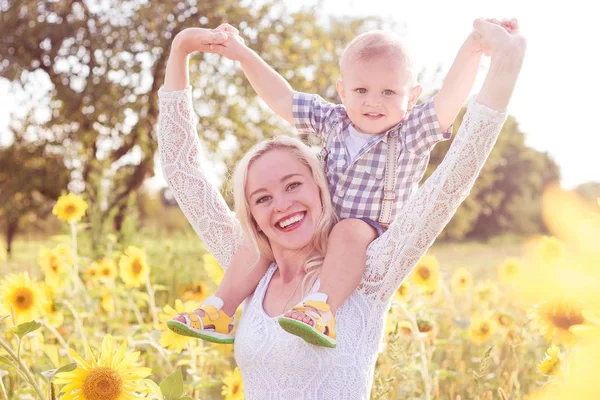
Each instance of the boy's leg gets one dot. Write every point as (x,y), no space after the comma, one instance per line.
(239,281)
(345,260)
(241,278)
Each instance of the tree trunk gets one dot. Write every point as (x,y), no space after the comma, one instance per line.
(11,231)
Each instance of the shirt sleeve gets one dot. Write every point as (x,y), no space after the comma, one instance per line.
(314,115)
(392,256)
(422,129)
(201,203)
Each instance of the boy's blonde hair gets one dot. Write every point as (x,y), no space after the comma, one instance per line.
(375,44)
(325,223)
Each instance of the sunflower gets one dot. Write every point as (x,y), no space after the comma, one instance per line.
(113,375)
(70,208)
(91,273)
(550,364)
(107,302)
(403,292)
(214,270)
(23,296)
(64,251)
(55,268)
(426,275)
(509,270)
(503,319)
(548,250)
(51,313)
(480,330)
(556,318)
(134,268)
(461,281)
(168,338)
(487,291)
(107,269)
(233,386)
(197,292)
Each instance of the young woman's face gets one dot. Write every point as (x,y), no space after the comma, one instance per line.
(284,199)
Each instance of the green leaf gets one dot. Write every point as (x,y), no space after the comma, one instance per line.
(25,328)
(154,389)
(66,368)
(172,386)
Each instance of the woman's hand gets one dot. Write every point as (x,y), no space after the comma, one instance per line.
(192,40)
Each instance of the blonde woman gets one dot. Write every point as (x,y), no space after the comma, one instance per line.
(281,179)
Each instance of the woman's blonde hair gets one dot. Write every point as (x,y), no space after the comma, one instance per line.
(328,218)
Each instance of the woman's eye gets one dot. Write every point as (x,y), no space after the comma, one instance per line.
(293,185)
(388,92)
(262,199)
(361,90)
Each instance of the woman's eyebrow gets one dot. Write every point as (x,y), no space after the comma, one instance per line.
(284,178)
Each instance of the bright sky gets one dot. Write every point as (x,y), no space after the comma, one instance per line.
(558,91)
(557,94)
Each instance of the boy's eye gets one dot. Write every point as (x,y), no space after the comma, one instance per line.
(388,92)
(361,90)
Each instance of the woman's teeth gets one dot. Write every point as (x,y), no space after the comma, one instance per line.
(287,222)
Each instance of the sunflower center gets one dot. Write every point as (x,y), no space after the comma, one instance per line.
(485,328)
(70,209)
(102,383)
(565,320)
(23,299)
(136,266)
(424,272)
(54,264)
(106,272)
(235,388)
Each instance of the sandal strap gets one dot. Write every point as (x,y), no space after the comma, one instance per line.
(320,313)
(212,316)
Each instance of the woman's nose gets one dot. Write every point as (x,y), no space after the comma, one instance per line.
(282,203)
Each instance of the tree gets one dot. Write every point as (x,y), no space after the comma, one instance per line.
(507,194)
(31,178)
(106,61)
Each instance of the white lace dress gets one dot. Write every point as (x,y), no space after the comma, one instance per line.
(275,364)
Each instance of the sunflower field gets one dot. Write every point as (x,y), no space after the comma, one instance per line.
(526,326)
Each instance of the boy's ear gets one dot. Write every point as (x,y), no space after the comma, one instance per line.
(415,93)
(339,86)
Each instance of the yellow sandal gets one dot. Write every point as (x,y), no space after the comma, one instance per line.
(212,327)
(322,333)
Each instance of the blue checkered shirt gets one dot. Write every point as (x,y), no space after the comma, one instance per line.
(356,187)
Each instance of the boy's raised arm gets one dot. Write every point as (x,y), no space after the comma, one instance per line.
(268,84)
(458,82)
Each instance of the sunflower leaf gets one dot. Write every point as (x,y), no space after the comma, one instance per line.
(172,386)
(66,368)
(25,328)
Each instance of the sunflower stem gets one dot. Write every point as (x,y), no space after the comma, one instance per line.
(152,302)
(4,394)
(22,368)
(136,311)
(424,367)
(79,325)
(58,337)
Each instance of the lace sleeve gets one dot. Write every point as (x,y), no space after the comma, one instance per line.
(200,201)
(394,254)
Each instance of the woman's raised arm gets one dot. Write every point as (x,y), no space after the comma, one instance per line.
(178,147)
(393,256)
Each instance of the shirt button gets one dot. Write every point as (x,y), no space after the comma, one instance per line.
(340,192)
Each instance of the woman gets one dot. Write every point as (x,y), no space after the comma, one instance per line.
(280,178)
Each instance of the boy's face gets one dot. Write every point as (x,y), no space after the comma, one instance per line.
(377,93)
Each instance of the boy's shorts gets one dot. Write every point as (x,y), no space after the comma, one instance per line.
(375,225)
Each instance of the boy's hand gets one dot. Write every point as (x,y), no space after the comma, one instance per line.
(234,47)
(496,35)
(510,25)
(192,40)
